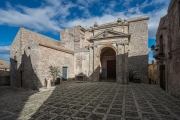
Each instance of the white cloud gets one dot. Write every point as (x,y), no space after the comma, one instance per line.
(126,2)
(5,57)
(44,18)
(90,21)
(51,17)
(87,3)
(131,12)
(109,9)
(154,21)
(4,49)
(158,1)
(5,53)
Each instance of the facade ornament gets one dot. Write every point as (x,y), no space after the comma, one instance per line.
(126,43)
(125,22)
(119,20)
(105,33)
(120,43)
(91,29)
(95,24)
(95,45)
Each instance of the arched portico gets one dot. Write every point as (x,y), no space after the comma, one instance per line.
(107,64)
(106,46)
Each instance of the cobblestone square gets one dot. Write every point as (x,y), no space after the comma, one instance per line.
(90,101)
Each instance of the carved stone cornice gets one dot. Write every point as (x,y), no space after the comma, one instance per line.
(81,50)
(108,33)
(119,22)
(122,43)
(109,25)
(138,19)
(126,43)
(92,46)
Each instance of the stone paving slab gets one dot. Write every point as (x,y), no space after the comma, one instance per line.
(89,101)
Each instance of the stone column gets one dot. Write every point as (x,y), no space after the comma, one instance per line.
(119,63)
(126,71)
(91,66)
(96,65)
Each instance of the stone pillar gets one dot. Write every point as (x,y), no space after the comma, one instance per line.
(91,66)
(126,71)
(96,65)
(119,64)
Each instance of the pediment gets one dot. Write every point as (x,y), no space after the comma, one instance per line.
(109,33)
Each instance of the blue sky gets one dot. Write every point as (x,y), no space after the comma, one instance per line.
(48,17)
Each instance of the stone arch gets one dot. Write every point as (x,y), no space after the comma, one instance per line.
(106,46)
(106,57)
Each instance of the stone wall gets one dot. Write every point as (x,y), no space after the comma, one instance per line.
(138,48)
(51,57)
(81,62)
(174,41)
(166,47)
(15,60)
(4,78)
(169,29)
(76,37)
(30,66)
(31,56)
(27,35)
(67,38)
(88,34)
(152,74)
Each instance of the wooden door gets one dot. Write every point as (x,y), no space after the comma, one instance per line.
(111,69)
(64,73)
(162,76)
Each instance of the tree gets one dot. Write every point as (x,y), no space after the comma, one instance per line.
(54,72)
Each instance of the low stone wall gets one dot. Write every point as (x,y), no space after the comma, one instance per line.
(4,78)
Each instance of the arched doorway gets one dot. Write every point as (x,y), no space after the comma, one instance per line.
(108,65)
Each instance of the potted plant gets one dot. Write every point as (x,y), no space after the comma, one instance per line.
(53,82)
(54,71)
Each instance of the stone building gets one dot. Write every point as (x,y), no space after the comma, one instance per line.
(4,73)
(107,51)
(152,73)
(167,50)
(4,66)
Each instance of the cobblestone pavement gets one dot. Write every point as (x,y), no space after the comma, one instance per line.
(90,101)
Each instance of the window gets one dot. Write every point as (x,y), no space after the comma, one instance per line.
(161,44)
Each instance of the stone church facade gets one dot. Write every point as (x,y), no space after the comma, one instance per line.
(107,51)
